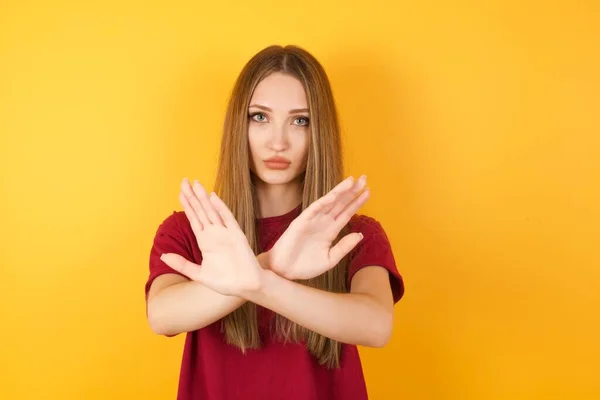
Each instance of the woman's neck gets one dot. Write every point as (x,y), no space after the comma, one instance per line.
(274,200)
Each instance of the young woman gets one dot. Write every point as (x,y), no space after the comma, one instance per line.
(274,276)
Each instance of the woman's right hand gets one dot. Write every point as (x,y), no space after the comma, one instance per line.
(229,266)
(305,248)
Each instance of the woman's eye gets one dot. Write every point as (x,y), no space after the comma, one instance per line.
(259,117)
(302,121)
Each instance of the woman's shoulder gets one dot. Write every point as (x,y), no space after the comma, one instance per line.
(175,223)
(175,232)
(365,224)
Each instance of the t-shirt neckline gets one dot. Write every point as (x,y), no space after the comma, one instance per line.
(283,218)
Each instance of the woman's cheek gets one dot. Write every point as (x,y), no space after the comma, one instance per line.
(252,148)
(304,146)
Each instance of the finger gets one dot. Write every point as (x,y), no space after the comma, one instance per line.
(190,214)
(341,187)
(186,188)
(344,246)
(202,196)
(345,198)
(181,265)
(325,203)
(318,206)
(224,211)
(351,209)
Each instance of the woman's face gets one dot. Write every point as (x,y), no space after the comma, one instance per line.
(278,129)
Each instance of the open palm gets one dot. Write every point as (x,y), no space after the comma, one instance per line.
(229,265)
(305,249)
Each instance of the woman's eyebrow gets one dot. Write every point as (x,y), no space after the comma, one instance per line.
(294,111)
(299,110)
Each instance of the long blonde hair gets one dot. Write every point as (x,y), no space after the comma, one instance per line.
(324,170)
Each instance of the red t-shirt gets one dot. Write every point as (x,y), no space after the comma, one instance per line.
(214,370)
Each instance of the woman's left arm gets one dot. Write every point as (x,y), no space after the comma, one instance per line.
(362,317)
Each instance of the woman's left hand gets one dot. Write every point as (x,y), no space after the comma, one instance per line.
(306,249)
(229,265)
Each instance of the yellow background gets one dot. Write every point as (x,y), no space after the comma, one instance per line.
(477,126)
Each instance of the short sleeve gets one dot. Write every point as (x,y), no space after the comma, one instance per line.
(374,250)
(169,238)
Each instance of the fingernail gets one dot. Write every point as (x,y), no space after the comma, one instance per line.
(162,257)
(361,236)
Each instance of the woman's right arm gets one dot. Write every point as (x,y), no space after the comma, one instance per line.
(176,305)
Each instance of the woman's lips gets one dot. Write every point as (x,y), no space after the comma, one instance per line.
(278,165)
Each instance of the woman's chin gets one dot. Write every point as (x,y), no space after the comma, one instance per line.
(276,177)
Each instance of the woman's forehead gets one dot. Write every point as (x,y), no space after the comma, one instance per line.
(280,92)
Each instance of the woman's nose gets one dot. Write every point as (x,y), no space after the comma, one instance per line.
(279,139)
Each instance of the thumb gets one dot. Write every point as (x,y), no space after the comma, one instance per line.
(344,246)
(181,265)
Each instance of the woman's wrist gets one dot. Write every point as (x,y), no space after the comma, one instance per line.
(266,282)
(264,260)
